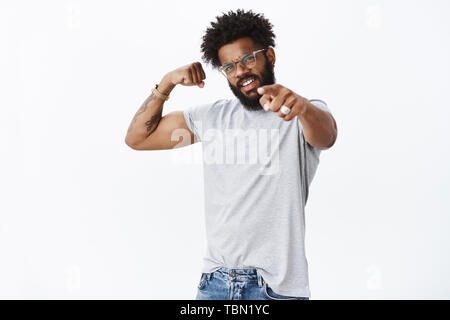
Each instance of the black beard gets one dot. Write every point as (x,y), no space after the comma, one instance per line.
(252,104)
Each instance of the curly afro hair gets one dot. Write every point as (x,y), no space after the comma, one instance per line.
(232,26)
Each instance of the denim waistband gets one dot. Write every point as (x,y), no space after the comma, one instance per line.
(242,274)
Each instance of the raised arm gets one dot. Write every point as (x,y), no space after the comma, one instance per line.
(149,130)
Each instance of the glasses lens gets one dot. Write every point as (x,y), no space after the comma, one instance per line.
(249,61)
(227,69)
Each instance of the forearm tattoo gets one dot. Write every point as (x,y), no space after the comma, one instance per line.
(141,110)
(153,122)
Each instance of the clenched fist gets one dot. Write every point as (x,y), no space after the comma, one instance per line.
(188,75)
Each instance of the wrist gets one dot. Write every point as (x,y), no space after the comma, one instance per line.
(166,85)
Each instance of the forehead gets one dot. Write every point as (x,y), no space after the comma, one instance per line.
(234,50)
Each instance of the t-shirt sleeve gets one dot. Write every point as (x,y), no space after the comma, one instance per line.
(195,117)
(320,104)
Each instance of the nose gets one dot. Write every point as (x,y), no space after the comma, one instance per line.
(240,70)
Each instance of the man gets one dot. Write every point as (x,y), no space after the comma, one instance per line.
(254,206)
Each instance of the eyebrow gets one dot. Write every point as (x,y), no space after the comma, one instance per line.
(238,58)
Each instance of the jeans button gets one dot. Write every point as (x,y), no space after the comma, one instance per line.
(233,274)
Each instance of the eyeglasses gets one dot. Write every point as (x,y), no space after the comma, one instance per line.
(248,60)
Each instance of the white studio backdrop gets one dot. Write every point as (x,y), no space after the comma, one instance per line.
(84,216)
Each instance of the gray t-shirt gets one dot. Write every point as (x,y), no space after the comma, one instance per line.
(257,172)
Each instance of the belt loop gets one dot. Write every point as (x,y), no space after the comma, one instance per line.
(208,276)
(260,280)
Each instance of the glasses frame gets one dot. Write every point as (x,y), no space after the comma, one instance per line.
(221,68)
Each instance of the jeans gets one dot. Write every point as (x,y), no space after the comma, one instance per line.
(237,284)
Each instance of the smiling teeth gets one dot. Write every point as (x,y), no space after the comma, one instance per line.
(248,82)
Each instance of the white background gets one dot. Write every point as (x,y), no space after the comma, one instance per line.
(84,216)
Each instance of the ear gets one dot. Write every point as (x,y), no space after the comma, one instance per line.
(270,54)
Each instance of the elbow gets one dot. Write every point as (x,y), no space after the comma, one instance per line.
(333,135)
(131,144)
(331,144)
(333,138)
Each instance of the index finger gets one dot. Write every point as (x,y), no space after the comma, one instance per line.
(265,99)
(268,89)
